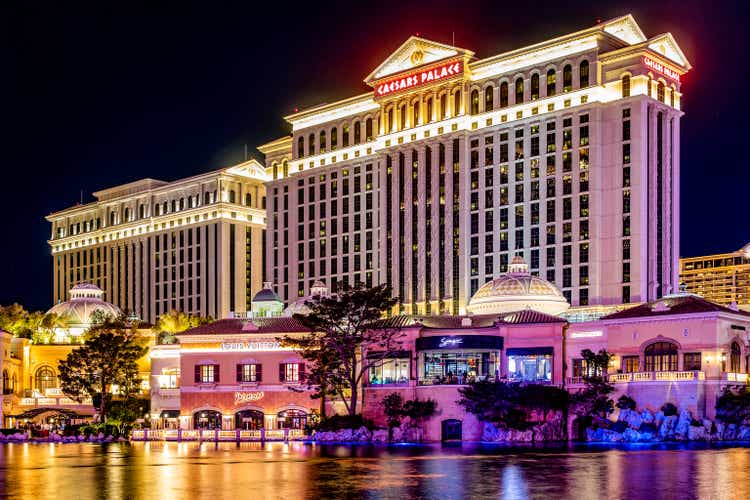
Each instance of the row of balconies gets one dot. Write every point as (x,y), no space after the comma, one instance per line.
(665,376)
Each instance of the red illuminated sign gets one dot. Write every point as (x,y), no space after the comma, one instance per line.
(428,75)
(664,70)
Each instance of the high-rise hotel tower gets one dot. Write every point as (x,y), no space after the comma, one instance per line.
(566,152)
(193,245)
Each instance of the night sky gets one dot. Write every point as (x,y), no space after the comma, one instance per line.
(103,94)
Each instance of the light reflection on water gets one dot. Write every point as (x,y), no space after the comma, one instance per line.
(296,470)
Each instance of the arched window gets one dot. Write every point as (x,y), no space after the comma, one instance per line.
(402,116)
(661,357)
(519,90)
(504,95)
(248,199)
(567,78)
(551,82)
(334,138)
(368,129)
(322,141)
(13,382)
(415,113)
(164,207)
(182,203)
(671,96)
(292,419)
(190,202)
(207,419)
(232,198)
(275,168)
(206,198)
(345,136)
(357,133)
(650,86)
(428,106)
(474,110)
(141,211)
(389,122)
(489,98)
(6,383)
(111,219)
(45,379)
(626,86)
(285,168)
(583,74)
(249,420)
(660,92)
(534,86)
(174,206)
(734,358)
(311,144)
(444,106)
(127,214)
(300,147)
(457,103)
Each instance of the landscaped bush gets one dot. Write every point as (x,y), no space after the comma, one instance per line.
(648,427)
(619,426)
(625,402)
(9,432)
(669,409)
(338,422)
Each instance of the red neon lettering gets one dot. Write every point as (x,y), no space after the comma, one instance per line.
(664,70)
(419,78)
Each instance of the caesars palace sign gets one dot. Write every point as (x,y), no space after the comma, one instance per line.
(405,82)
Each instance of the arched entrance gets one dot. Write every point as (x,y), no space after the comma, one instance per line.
(45,379)
(451,430)
(207,419)
(292,419)
(735,355)
(249,420)
(661,357)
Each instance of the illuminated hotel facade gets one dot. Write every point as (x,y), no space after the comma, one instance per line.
(721,278)
(193,245)
(565,152)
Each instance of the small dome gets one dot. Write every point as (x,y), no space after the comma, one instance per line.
(517,290)
(85,299)
(267,294)
(299,306)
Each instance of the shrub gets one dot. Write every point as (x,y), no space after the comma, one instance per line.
(696,423)
(669,409)
(619,426)
(733,407)
(648,427)
(393,407)
(338,422)
(625,402)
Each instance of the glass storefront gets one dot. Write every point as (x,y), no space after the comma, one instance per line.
(207,419)
(457,367)
(390,371)
(249,420)
(530,364)
(292,419)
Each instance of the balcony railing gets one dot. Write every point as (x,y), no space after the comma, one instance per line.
(619,378)
(735,377)
(218,435)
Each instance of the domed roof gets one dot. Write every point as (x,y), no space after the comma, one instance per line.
(267,294)
(85,300)
(299,306)
(517,290)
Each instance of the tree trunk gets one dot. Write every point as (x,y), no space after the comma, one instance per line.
(322,406)
(354,397)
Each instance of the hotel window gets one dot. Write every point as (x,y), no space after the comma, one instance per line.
(519,89)
(630,364)
(626,272)
(626,130)
(551,82)
(660,92)
(206,374)
(402,117)
(368,128)
(626,153)
(625,294)
(45,379)
(734,358)
(626,249)
(249,372)
(661,357)
(530,364)
(474,102)
(568,78)
(322,141)
(311,144)
(626,86)
(344,136)
(300,147)
(457,103)
(534,87)
(456,366)
(391,370)
(504,95)
(489,98)
(583,74)
(626,225)
(415,113)
(291,372)
(357,133)
(692,361)
(444,106)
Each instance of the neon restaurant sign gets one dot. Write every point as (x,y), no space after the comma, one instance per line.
(664,70)
(247,397)
(405,82)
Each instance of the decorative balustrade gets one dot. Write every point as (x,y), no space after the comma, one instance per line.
(735,377)
(618,378)
(260,435)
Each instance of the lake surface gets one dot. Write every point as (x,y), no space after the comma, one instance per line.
(167,471)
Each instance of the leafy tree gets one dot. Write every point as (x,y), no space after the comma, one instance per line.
(625,402)
(393,408)
(174,322)
(108,357)
(593,400)
(344,343)
(419,410)
(45,331)
(18,321)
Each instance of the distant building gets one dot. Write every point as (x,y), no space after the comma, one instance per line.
(193,245)
(721,278)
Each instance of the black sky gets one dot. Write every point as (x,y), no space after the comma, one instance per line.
(105,93)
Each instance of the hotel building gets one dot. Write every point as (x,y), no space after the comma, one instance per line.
(722,278)
(194,245)
(566,152)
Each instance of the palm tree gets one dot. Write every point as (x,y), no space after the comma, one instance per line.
(49,325)
(176,322)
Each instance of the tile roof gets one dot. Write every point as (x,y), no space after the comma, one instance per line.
(256,325)
(671,305)
(526,316)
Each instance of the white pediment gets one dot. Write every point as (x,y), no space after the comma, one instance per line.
(250,168)
(667,46)
(414,52)
(626,29)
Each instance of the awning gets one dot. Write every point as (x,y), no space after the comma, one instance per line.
(460,342)
(35,412)
(530,351)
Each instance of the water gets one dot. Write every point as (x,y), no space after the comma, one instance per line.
(290,471)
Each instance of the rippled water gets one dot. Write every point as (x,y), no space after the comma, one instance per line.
(275,470)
